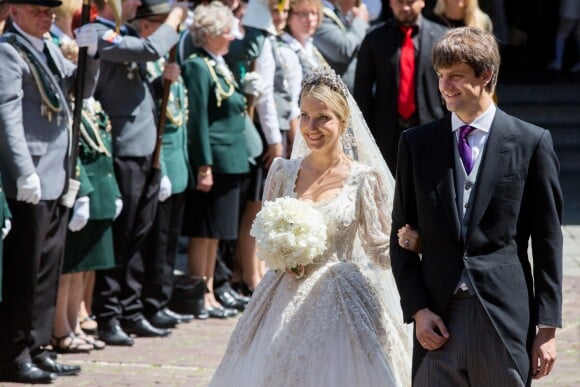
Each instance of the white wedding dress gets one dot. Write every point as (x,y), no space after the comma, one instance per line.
(341,324)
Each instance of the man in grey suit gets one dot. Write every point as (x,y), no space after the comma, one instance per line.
(339,36)
(34,161)
(125,95)
(478,185)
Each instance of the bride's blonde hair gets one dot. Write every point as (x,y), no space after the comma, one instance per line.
(327,87)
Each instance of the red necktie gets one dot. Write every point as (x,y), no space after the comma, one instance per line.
(406,105)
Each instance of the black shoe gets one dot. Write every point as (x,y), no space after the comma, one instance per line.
(221,312)
(162,320)
(201,313)
(225,298)
(26,373)
(143,328)
(216,312)
(112,334)
(188,297)
(242,289)
(237,295)
(46,363)
(181,318)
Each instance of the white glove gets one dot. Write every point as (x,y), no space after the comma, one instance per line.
(118,207)
(87,37)
(7,227)
(252,84)
(164,189)
(81,214)
(28,188)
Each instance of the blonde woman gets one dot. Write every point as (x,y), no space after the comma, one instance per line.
(340,323)
(462,13)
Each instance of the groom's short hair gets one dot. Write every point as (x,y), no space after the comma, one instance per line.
(472,46)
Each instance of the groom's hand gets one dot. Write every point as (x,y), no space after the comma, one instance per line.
(426,323)
(544,352)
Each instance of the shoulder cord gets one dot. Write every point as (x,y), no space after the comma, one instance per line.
(220,93)
(49,104)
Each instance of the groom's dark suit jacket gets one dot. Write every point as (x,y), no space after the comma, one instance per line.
(517,196)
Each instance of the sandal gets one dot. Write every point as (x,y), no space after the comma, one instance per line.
(95,343)
(70,344)
(89,325)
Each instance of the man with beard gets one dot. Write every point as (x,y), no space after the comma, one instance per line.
(395,84)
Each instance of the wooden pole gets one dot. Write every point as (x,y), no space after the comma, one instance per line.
(162,113)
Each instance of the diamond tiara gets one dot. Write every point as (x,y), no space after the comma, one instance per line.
(326,76)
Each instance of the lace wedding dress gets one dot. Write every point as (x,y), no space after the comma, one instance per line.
(341,324)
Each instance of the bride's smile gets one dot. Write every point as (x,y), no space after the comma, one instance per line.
(320,126)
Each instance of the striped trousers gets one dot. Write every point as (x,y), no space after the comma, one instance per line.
(474,354)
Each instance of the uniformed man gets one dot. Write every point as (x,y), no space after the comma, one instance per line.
(162,247)
(34,160)
(125,95)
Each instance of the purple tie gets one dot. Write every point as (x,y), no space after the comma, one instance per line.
(464,148)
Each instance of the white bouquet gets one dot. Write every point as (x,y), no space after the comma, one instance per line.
(289,233)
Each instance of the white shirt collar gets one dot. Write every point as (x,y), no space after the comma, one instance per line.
(483,122)
(217,58)
(37,43)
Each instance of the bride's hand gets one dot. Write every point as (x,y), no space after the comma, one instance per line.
(409,239)
(297,271)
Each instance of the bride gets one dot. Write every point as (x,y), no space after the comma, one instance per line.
(340,324)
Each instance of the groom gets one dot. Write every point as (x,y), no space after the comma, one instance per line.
(477,185)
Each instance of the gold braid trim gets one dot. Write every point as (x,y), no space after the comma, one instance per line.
(47,103)
(220,93)
(99,146)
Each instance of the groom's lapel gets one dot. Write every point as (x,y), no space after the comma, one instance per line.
(443,144)
(496,155)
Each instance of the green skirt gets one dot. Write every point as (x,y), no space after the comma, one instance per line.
(90,248)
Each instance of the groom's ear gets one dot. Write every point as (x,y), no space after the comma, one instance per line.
(486,76)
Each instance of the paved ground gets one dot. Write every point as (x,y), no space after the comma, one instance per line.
(190,355)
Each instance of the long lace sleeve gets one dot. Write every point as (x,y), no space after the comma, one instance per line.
(375,220)
(273,187)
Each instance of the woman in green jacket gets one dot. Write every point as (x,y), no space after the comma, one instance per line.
(217,146)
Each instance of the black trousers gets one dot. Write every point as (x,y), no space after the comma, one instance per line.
(117,293)
(33,252)
(161,253)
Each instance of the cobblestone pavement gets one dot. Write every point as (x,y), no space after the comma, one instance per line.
(190,355)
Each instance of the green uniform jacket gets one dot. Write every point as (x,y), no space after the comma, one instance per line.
(216,133)
(174,157)
(99,168)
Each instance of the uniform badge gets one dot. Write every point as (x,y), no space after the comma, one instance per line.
(112,37)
